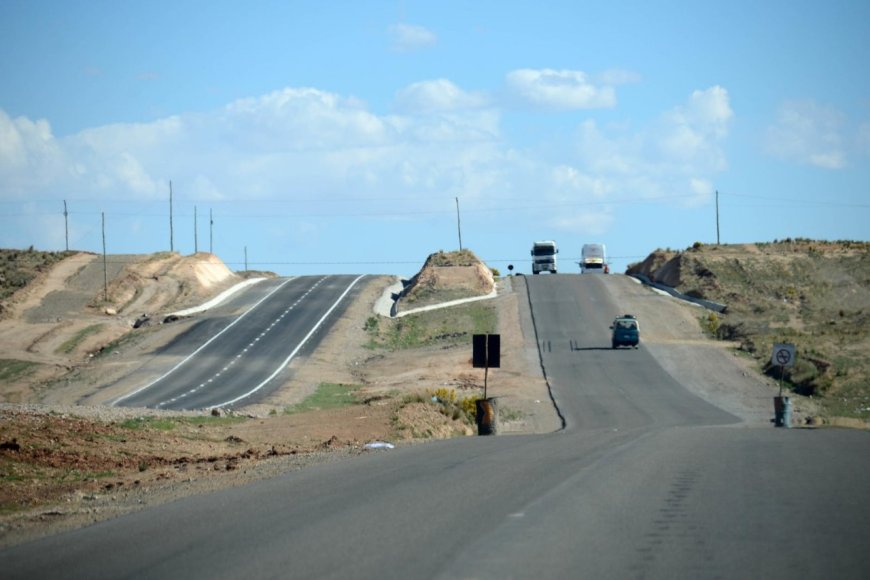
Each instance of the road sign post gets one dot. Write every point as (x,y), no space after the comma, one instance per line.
(783,355)
(486,353)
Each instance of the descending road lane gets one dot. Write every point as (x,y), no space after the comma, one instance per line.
(239,360)
(647,481)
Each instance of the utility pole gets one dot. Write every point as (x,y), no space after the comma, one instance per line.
(66,224)
(105,265)
(210,233)
(458,224)
(246,258)
(171,244)
(195,238)
(717,217)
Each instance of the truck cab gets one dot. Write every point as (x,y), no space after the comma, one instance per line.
(544,257)
(626,331)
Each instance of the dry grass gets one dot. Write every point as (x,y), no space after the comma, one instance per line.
(813,294)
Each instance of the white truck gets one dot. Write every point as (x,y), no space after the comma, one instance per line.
(594,259)
(544,257)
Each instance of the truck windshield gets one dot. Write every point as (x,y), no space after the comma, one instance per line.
(544,251)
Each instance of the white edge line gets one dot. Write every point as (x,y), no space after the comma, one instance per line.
(219,298)
(194,353)
(284,364)
(493,294)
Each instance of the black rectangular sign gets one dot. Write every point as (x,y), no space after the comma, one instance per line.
(486,351)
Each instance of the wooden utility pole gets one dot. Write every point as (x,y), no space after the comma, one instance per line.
(717,217)
(458,224)
(66,224)
(171,241)
(105,264)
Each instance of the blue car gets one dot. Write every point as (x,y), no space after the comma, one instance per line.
(626,331)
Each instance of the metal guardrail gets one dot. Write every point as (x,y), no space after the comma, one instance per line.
(708,304)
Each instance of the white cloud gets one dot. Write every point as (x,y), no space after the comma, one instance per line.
(586,222)
(29,154)
(808,133)
(437,95)
(675,156)
(305,143)
(571,180)
(691,133)
(410,37)
(296,141)
(559,89)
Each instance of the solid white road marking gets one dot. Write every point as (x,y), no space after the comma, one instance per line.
(209,341)
(295,350)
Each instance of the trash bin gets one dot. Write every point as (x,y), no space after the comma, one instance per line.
(782,412)
(486,416)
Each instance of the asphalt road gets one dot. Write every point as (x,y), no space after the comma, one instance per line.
(231,358)
(646,481)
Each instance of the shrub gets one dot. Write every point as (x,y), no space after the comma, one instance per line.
(711,323)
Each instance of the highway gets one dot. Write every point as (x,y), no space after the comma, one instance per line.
(645,481)
(230,359)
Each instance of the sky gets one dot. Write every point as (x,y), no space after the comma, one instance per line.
(311,137)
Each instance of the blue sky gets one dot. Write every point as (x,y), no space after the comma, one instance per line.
(336,137)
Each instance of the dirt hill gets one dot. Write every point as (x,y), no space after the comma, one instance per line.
(61,309)
(813,294)
(447,276)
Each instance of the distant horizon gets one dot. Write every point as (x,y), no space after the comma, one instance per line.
(502,268)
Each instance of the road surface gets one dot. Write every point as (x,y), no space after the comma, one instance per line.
(645,481)
(232,359)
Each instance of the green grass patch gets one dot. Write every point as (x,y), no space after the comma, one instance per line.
(327,396)
(73,343)
(12,369)
(141,423)
(170,423)
(446,326)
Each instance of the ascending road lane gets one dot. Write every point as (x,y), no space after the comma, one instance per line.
(239,360)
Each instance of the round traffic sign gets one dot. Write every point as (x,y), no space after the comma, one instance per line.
(783,356)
